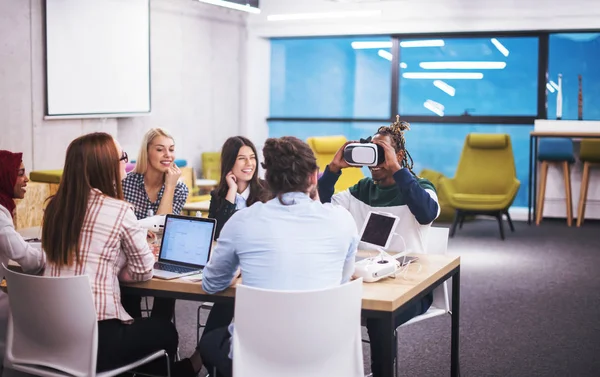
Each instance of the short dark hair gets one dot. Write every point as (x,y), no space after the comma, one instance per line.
(288,162)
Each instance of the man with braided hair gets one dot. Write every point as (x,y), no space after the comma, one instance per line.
(393,188)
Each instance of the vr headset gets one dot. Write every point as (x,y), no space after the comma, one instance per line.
(364,153)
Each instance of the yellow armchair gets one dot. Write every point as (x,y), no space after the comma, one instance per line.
(446,210)
(211,165)
(324,148)
(485,182)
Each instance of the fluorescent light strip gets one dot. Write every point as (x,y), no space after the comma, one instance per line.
(550,88)
(500,46)
(434,107)
(360,45)
(462,65)
(227,4)
(449,90)
(385,54)
(388,56)
(443,75)
(423,43)
(555,85)
(317,16)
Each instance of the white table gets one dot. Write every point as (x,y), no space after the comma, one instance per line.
(206,182)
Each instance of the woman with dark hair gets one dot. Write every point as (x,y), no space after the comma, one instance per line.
(88,229)
(239,186)
(13,182)
(292,242)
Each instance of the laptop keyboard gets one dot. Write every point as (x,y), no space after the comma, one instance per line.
(173,268)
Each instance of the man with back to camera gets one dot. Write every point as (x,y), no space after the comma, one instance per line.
(393,188)
(291,242)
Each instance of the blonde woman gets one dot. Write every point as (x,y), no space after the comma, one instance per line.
(153,188)
(154,182)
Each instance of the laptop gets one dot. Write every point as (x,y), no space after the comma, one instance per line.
(186,246)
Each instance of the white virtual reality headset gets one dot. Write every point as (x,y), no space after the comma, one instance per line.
(363,154)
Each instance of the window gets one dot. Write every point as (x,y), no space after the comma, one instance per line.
(438,147)
(572,55)
(469,76)
(304,130)
(432,146)
(330,78)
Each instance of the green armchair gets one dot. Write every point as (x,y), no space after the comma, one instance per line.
(485,182)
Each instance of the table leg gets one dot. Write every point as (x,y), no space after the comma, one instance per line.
(389,350)
(454,351)
(530,183)
(535,163)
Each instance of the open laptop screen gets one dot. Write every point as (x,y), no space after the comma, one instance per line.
(187,240)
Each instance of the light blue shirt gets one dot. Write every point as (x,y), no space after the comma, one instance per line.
(240,199)
(305,245)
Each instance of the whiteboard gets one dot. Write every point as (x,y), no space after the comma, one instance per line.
(97,57)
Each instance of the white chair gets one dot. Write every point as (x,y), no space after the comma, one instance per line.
(53,329)
(437,243)
(298,334)
(199,324)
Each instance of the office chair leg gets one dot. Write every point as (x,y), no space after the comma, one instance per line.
(499,218)
(457,217)
(168,365)
(510,223)
(460,224)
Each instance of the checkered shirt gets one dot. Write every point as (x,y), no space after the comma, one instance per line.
(135,193)
(111,240)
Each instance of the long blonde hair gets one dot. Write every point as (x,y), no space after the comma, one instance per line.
(141,164)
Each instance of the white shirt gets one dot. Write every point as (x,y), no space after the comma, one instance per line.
(13,246)
(240,199)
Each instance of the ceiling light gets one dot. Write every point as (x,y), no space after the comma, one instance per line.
(388,56)
(435,107)
(555,85)
(445,87)
(443,75)
(462,65)
(550,88)
(230,5)
(359,45)
(385,54)
(500,46)
(423,43)
(317,16)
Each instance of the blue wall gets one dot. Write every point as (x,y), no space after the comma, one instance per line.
(328,78)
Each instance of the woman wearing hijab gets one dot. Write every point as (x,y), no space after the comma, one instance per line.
(13,182)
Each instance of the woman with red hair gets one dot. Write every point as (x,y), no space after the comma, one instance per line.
(12,246)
